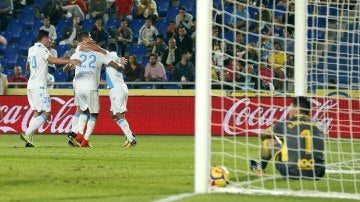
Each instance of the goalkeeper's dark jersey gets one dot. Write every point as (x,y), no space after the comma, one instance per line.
(302,148)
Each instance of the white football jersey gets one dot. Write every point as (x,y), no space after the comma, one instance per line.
(37,59)
(87,74)
(114,77)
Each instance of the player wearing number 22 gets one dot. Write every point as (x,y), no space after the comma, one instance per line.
(297,144)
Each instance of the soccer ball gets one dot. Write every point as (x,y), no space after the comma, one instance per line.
(219,176)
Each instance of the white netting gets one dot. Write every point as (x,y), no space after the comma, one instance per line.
(253,84)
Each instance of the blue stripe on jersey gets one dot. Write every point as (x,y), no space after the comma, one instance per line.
(109,83)
(120,120)
(92,119)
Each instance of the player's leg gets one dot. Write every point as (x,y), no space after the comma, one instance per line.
(268,148)
(39,101)
(118,98)
(92,100)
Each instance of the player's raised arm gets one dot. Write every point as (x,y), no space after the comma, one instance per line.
(62,61)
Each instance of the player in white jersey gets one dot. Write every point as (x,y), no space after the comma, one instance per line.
(118,94)
(86,82)
(37,92)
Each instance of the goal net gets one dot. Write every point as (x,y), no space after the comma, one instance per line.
(255,73)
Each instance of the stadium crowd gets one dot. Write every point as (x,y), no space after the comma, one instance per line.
(158,38)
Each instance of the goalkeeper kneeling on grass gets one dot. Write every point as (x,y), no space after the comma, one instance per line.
(297,145)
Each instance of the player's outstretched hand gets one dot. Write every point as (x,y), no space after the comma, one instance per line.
(123,61)
(68,67)
(75,61)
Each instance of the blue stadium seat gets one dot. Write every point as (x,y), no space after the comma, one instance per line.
(27,39)
(188,4)
(21,61)
(61,49)
(229,35)
(27,18)
(10,59)
(112,24)
(252,11)
(40,3)
(138,50)
(62,24)
(172,13)
(88,25)
(161,25)
(135,26)
(60,76)
(37,25)
(253,38)
(162,7)
(14,29)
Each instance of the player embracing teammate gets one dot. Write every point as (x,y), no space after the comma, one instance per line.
(86,82)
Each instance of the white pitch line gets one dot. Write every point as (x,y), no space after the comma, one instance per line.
(176,197)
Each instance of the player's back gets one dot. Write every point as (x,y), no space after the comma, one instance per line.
(37,59)
(113,76)
(87,74)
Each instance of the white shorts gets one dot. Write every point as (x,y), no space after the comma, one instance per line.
(87,99)
(39,99)
(118,98)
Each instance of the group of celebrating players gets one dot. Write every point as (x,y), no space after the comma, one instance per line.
(87,62)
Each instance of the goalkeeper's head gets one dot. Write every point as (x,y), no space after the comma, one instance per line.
(301,105)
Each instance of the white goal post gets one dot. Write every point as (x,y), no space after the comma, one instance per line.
(236,99)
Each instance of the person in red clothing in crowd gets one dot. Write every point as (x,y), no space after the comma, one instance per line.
(18,77)
(72,7)
(124,9)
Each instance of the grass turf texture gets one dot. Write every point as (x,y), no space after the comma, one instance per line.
(159,167)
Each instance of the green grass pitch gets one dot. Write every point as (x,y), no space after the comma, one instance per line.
(159,167)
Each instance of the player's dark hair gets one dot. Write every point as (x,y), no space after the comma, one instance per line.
(42,34)
(82,35)
(303,103)
(112,46)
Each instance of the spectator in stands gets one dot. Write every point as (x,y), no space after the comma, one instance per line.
(193,30)
(277,61)
(75,8)
(6,9)
(98,9)
(184,71)
(171,30)
(134,71)
(147,33)
(124,9)
(37,10)
(160,47)
(51,47)
(221,56)
(278,28)
(71,32)
(291,14)
(99,33)
(147,9)
(124,37)
(240,43)
(215,38)
(184,41)
(49,27)
(50,79)
(263,20)
(266,77)
(18,77)
(184,19)
(290,41)
(265,46)
(67,55)
(154,71)
(171,56)
(53,9)
(240,17)
(290,63)
(3,82)
(251,55)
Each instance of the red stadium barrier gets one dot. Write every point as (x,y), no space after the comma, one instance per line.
(175,115)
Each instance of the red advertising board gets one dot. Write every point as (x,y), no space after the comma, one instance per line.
(175,115)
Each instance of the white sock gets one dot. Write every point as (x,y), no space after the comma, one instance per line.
(36,123)
(30,123)
(81,124)
(124,125)
(74,122)
(90,127)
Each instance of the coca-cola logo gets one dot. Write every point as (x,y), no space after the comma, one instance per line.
(242,117)
(60,121)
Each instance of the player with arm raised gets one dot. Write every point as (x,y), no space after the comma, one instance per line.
(297,145)
(37,92)
(118,94)
(86,83)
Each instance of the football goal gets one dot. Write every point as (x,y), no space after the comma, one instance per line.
(252,58)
